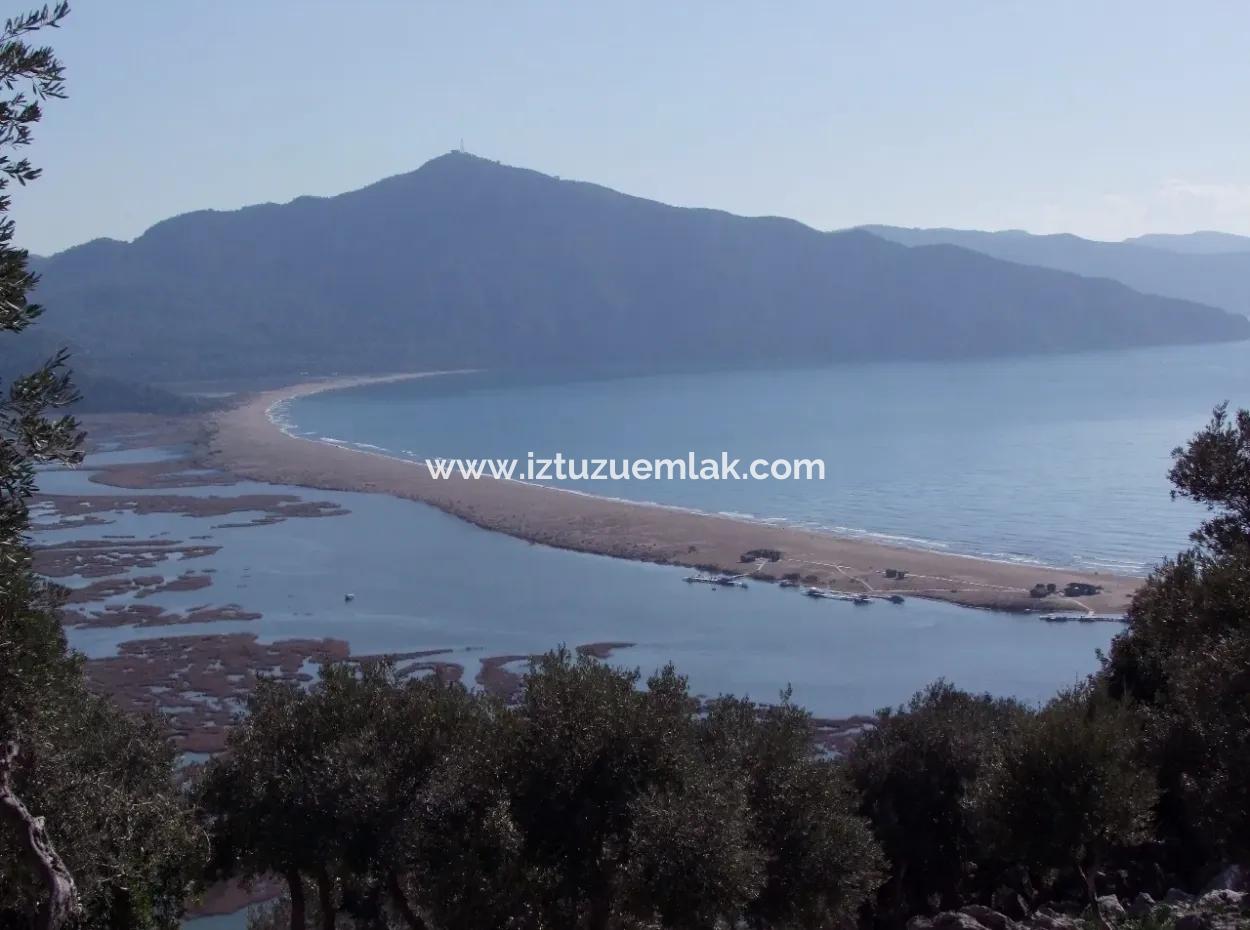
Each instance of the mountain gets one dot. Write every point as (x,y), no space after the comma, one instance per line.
(1204,242)
(466,262)
(1186,267)
(99,393)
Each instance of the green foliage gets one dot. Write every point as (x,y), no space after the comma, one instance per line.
(916,773)
(963,791)
(34,662)
(425,816)
(1185,658)
(102,782)
(821,862)
(594,803)
(591,749)
(1214,469)
(1069,786)
(28,435)
(262,793)
(363,785)
(630,807)
(691,858)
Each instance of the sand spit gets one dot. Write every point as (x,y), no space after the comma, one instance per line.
(245,440)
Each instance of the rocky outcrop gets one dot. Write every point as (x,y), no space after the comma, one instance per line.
(1231,878)
(1215,909)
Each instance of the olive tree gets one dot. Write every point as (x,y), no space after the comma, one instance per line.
(916,771)
(1184,659)
(1070,787)
(93,830)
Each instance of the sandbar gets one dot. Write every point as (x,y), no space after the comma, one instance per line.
(244,440)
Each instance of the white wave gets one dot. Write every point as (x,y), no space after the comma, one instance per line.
(1016,558)
(1113,565)
(893,539)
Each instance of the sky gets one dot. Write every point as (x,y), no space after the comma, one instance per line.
(1106,118)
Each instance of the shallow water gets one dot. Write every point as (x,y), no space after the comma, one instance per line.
(1060,460)
(424,580)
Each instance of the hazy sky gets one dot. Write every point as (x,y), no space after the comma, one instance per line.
(1103,118)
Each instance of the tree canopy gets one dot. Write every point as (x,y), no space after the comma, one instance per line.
(594,803)
(94,831)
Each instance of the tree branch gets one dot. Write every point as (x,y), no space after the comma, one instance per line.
(411,917)
(295,885)
(325,899)
(62,896)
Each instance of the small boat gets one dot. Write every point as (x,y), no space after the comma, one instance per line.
(838,596)
(895,599)
(349,597)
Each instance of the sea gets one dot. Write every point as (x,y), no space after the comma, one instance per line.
(1053,460)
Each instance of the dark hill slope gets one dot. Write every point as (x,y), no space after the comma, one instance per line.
(465,262)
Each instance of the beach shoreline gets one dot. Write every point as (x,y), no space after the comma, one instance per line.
(246,440)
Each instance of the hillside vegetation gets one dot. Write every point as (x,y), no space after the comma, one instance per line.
(469,263)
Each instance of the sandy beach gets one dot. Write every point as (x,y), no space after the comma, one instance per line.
(245,441)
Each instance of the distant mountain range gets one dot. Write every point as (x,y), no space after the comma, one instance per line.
(466,262)
(1195,243)
(1210,268)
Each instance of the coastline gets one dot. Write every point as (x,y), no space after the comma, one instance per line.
(246,441)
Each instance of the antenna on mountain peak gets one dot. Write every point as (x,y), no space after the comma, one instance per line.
(462,143)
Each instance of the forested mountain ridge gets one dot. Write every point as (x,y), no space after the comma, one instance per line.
(1210,268)
(466,262)
(1203,242)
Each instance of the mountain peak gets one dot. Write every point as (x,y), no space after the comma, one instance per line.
(458,159)
(467,263)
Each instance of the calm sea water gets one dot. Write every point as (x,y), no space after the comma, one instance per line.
(1057,460)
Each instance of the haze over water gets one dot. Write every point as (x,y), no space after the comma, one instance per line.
(1059,460)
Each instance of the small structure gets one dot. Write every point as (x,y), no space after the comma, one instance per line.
(898,573)
(761,555)
(1081,589)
